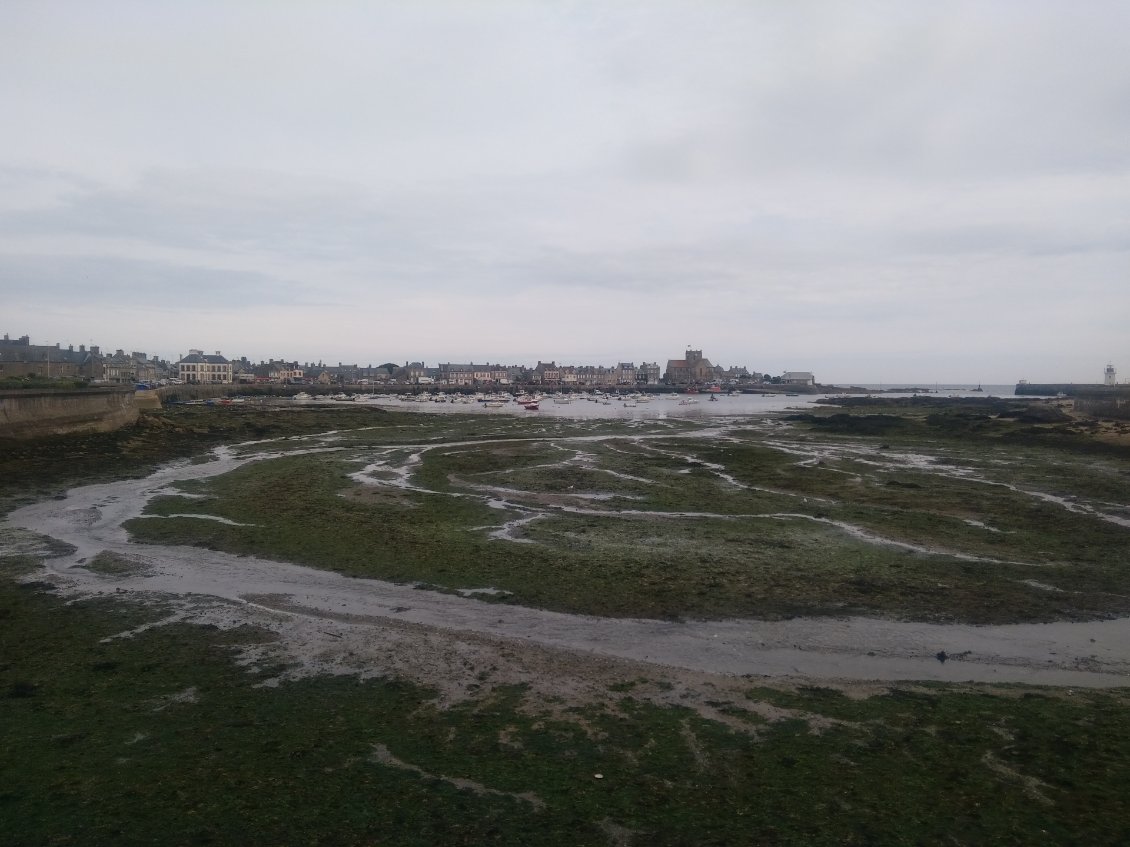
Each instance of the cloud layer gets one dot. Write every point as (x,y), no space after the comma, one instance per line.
(876,192)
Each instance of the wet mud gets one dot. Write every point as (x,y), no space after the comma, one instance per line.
(327,622)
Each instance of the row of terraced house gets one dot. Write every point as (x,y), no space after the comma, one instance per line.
(19,358)
(198,368)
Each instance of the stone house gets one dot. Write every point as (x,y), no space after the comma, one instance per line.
(648,374)
(546,374)
(197,367)
(797,378)
(20,358)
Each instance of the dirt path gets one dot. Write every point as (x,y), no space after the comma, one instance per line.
(331,623)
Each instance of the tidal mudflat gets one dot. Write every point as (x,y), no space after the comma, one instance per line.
(731,621)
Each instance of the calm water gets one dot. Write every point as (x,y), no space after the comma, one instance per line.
(659,406)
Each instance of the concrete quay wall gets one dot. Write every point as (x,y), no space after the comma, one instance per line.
(34,414)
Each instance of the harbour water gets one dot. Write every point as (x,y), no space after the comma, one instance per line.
(588,406)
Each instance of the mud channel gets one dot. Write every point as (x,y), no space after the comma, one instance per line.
(329,623)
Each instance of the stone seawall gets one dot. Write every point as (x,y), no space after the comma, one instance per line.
(34,414)
(185,393)
(1104,406)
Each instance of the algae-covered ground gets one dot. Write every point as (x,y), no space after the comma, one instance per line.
(124,722)
(707,520)
(162,738)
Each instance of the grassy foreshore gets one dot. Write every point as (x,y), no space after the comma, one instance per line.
(163,737)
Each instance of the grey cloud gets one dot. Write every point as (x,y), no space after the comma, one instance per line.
(836,176)
(214,210)
(137,287)
(1032,241)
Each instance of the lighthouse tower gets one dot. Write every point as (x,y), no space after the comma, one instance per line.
(1109,376)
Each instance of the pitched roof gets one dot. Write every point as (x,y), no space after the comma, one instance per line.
(199,359)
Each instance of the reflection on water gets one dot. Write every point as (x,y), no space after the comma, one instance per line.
(586,406)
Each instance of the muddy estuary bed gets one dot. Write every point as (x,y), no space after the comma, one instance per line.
(421,630)
(334,622)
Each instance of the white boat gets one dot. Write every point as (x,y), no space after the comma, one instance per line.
(302,395)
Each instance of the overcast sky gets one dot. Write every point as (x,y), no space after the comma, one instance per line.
(877,192)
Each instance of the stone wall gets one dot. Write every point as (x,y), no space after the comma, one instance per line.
(1104,406)
(149,400)
(185,393)
(33,414)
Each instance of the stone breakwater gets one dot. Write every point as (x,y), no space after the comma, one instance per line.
(34,414)
(1071,389)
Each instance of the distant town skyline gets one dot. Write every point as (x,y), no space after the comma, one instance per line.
(1100,374)
(895,192)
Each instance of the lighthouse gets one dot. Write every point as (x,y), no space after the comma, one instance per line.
(1109,376)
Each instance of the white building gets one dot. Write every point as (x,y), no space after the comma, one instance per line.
(198,368)
(1109,377)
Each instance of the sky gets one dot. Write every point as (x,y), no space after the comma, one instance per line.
(873,191)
